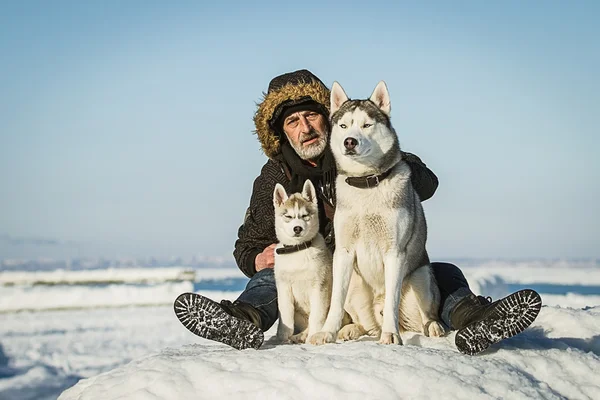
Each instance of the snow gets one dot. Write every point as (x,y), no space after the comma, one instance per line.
(62,290)
(62,297)
(125,342)
(121,275)
(548,361)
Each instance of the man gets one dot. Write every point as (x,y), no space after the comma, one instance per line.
(293,128)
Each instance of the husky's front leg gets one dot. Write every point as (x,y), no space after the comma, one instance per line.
(319,304)
(393,264)
(343,261)
(285,302)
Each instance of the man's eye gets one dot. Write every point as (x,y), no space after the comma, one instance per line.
(343,126)
(365,126)
(312,115)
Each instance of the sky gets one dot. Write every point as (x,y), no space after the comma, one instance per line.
(126,127)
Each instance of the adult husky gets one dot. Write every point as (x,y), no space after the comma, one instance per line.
(380,227)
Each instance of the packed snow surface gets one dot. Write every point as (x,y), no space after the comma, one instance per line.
(556,358)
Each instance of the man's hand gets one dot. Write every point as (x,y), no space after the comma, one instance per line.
(266,259)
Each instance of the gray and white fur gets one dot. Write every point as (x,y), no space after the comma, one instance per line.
(381,272)
(303,278)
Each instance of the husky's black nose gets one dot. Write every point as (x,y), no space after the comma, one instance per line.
(297,230)
(350,143)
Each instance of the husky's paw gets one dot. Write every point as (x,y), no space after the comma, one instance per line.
(375,332)
(322,338)
(351,332)
(299,337)
(434,329)
(390,338)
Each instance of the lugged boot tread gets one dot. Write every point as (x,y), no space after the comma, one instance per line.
(207,319)
(510,316)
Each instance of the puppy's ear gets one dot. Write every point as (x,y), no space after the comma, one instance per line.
(309,192)
(337,98)
(279,195)
(381,98)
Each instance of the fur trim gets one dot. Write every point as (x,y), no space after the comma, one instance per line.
(269,138)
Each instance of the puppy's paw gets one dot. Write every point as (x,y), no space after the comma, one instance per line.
(390,338)
(351,332)
(283,340)
(375,332)
(299,337)
(434,329)
(322,338)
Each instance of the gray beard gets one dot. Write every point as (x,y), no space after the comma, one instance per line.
(313,151)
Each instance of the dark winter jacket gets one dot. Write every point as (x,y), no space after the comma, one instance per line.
(258,230)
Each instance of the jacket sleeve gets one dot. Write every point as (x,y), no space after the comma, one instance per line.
(423,179)
(258,229)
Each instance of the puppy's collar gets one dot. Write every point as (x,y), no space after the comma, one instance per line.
(369,181)
(293,248)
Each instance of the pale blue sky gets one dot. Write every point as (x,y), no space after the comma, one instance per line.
(126,127)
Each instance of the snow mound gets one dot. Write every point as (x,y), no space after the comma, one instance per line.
(557,357)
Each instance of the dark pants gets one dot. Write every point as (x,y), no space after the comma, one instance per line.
(261,292)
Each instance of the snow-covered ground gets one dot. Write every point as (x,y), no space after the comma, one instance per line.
(127,342)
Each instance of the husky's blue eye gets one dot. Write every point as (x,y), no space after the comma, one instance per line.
(306,217)
(287,217)
(343,126)
(367,125)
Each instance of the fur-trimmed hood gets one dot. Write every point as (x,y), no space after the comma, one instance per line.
(276,100)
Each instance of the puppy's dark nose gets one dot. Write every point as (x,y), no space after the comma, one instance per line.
(350,143)
(297,230)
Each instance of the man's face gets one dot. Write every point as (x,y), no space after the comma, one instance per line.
(307,133)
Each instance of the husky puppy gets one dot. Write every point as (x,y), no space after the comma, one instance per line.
(302,265)
(380,229)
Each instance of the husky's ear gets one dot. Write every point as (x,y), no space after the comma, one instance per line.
(279,195)
(338,97)
(381,98)
(309,192)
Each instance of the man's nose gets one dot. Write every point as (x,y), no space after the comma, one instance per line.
(304,124)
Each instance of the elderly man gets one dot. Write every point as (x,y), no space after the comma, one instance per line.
(293,127)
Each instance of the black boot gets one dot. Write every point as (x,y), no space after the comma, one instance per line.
(235,324)
(242,310)
(481,323)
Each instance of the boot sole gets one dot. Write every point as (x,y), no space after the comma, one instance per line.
(510,316)
(207,319)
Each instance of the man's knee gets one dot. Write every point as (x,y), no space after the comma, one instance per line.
(447,272)
(264,277)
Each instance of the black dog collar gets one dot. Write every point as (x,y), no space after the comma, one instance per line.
(293,248)
(369,181)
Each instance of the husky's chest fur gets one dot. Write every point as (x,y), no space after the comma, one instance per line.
(372,221)
(304,270)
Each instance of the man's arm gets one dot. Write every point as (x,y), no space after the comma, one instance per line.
(423,179)
(258,230)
